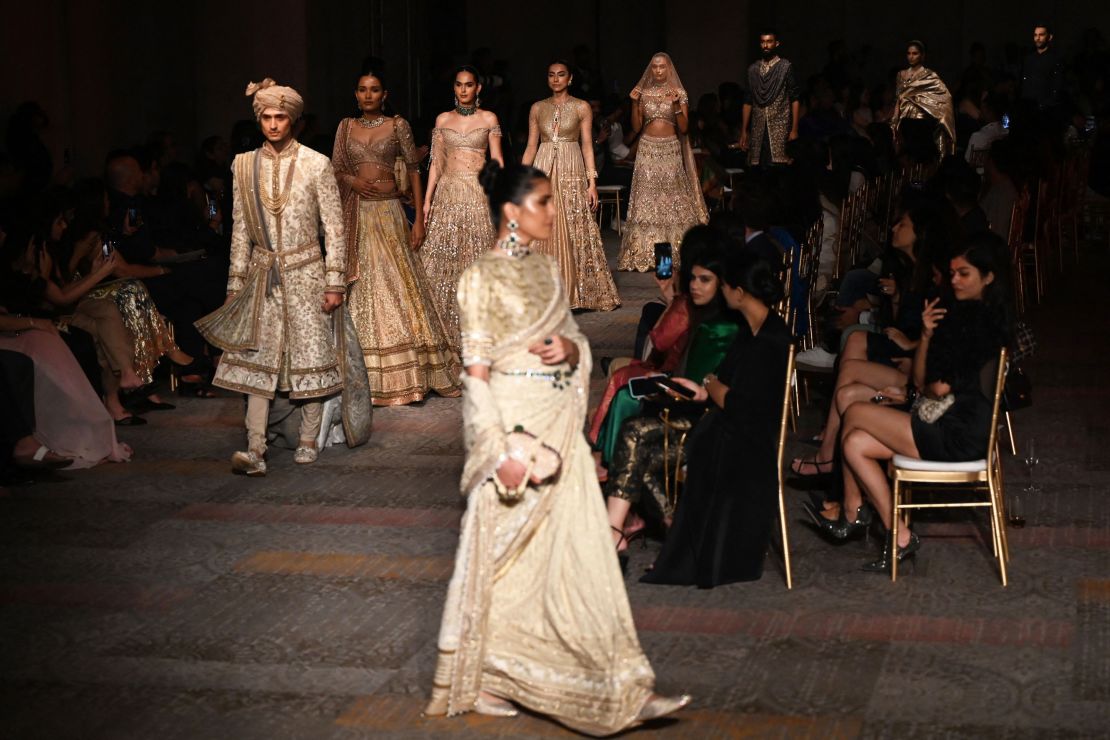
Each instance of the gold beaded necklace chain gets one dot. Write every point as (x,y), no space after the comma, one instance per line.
(275,205)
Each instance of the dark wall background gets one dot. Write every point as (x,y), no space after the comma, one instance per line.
(110,72)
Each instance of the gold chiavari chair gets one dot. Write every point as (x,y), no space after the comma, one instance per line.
(1016,242)
(1031,257)
(1076,171)
(173,341)
(673,479)
(809,260)
(609,196)
(781,456)
(975,474)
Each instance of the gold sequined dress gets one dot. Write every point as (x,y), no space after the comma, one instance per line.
(666,198)
(150,338)
(403,339)
(536,610)
(576,242)
(459,227)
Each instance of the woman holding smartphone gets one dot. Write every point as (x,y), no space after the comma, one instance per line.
(722,524)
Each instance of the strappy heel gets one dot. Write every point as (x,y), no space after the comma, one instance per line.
(622,555)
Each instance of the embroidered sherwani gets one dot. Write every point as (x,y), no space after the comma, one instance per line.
(773,92)
(295,350)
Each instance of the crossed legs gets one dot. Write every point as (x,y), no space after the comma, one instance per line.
(871,435)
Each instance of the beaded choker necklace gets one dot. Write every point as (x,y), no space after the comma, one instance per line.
(462,110)
(513,249)
(370,124)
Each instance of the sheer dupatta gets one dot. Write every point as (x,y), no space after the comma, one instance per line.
(493,532)
(348,196)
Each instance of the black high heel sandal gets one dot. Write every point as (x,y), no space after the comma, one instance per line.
(841,529)
(622,555)
(882,565)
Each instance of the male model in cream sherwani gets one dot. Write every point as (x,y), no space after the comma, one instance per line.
(283,192)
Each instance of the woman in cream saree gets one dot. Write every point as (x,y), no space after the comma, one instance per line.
(536,610)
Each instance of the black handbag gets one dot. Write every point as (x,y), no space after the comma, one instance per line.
(1017,391)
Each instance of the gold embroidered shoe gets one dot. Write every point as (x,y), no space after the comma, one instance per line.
(661,706)
(492,707)
(248,463)
(305,455)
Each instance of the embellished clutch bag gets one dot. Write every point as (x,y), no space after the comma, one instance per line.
(528,449)
(931,409)
(540,461)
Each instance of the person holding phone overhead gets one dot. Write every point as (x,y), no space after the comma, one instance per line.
(666,197)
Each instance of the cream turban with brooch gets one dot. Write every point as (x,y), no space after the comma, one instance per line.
(269,94)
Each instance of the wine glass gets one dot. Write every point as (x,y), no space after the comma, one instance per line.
(1031,460)
(1018,500)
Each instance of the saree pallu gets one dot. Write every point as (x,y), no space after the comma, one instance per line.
(536,609)
(575,242)
(459,231)
(404,342)
(664,203)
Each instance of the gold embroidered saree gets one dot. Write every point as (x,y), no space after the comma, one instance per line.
(536,610)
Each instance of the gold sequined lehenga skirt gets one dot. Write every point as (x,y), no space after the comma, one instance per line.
(150,337)
(403,339)
(459,232)
(664,203)
(576,242)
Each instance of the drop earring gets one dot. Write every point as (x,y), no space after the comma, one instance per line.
(514,238)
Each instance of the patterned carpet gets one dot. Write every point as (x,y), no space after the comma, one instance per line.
(166,598)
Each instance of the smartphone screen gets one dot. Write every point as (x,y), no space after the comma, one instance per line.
(664,260)
(676,387)
(646,386)
(1005,120)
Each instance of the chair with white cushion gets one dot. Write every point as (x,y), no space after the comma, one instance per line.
(985,474)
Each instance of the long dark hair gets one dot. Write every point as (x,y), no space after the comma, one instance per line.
(936,228)
(705,247)
(507,185)
(988,253)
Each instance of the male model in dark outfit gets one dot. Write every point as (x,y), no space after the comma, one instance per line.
(770,117)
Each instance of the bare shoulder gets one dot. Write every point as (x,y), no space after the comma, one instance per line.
(443,119)
(489,118)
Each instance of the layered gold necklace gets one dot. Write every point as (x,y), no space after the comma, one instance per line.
(276,204)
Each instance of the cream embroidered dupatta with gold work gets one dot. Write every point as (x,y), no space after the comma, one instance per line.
(536,610)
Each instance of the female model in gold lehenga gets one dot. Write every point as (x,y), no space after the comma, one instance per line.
(404,342)
(666,195)
(455,211)
(536,610)
(555,128)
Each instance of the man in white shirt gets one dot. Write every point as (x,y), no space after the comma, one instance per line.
(991,131)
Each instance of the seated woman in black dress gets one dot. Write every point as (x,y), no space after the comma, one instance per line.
(904,277)
(958,343)
(723,520)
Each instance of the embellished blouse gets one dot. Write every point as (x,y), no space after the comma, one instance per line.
(657,104)
(455,153)
(383,151)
